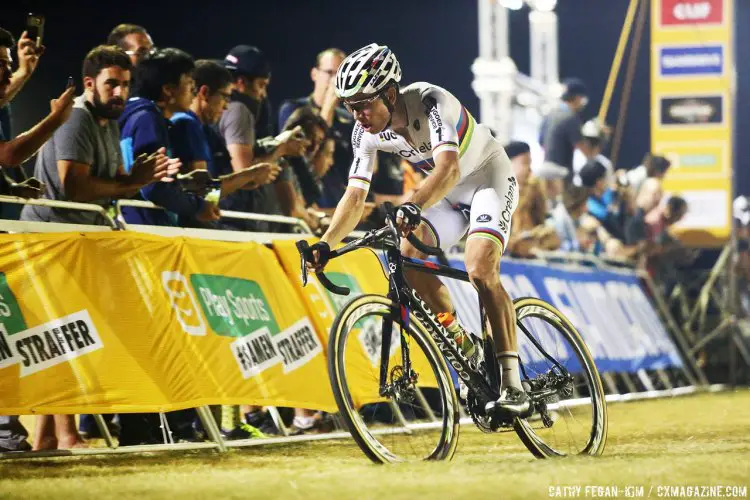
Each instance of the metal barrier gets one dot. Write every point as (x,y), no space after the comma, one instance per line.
(204,413)
(18,226)
(208,233)
(717,293)
(691,370)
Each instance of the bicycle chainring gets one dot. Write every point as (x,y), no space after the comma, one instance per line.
(474,409)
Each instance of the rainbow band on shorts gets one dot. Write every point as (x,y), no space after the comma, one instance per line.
(359,182)
(488,234)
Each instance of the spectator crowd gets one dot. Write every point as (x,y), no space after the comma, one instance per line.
(143,121)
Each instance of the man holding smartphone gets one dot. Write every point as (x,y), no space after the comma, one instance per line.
(244,128)
(13,152)
(82,162)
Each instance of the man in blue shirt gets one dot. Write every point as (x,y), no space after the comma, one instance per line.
(12,83)
(199,146)
(164,86)
(605,203)
(12,153)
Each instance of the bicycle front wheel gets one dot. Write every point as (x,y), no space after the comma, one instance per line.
(418,417)
(562,380)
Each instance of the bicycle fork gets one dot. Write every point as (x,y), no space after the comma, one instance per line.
(453,354)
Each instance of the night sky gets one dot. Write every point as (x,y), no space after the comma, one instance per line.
(435,41)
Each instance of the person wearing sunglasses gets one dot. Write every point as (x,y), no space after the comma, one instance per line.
(191,133)
(470,187)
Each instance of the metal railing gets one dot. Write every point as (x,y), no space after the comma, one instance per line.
(119,223)
(227,214)
(18,226)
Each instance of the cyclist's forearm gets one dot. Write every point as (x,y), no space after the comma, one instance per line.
(438,184)
(346,217)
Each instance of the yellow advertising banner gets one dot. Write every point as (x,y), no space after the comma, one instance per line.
(360,271)
(126,322)
(692,67)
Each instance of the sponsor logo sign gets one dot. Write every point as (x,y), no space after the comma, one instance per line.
(691,12)
(49,344)
(691,110)
(691,61)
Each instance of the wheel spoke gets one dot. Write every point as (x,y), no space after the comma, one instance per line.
(556,362)
(395,427)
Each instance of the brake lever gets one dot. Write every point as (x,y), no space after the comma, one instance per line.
(303,248)
(390,220)
(306,256)
(411,237)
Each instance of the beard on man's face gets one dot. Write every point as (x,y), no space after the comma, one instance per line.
(110,110)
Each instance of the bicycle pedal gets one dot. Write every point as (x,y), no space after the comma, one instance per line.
(500,424)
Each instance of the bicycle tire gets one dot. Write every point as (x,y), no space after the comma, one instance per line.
(534,307)
(376,451)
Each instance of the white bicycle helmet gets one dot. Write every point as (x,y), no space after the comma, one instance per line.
(367,71)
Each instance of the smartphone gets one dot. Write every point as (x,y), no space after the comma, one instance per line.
(35,28)
(71,82)
(33,182)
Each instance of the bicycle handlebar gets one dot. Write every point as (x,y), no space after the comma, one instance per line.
(412,238)
(390,228)
(423,247)
(306,256)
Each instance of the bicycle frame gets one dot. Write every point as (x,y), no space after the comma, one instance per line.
(407,302)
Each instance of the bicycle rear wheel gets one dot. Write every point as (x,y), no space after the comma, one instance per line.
(419,419)
(562,380)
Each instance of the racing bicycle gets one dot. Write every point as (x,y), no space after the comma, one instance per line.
(393,368)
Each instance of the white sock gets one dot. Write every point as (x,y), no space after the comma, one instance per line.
(511,376)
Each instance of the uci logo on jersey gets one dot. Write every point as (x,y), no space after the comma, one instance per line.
(484,218)
(387,136)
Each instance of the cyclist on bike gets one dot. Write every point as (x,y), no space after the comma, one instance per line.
(470,187)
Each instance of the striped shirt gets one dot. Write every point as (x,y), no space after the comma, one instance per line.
(437,122)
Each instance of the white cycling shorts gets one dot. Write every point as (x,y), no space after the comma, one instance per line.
(482,203)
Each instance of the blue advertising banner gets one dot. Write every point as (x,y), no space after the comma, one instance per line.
(695,60)
(609,309)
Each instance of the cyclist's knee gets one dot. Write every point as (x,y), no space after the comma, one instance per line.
(483,273)
(483,263)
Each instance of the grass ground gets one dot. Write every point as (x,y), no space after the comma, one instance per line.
(697,440)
